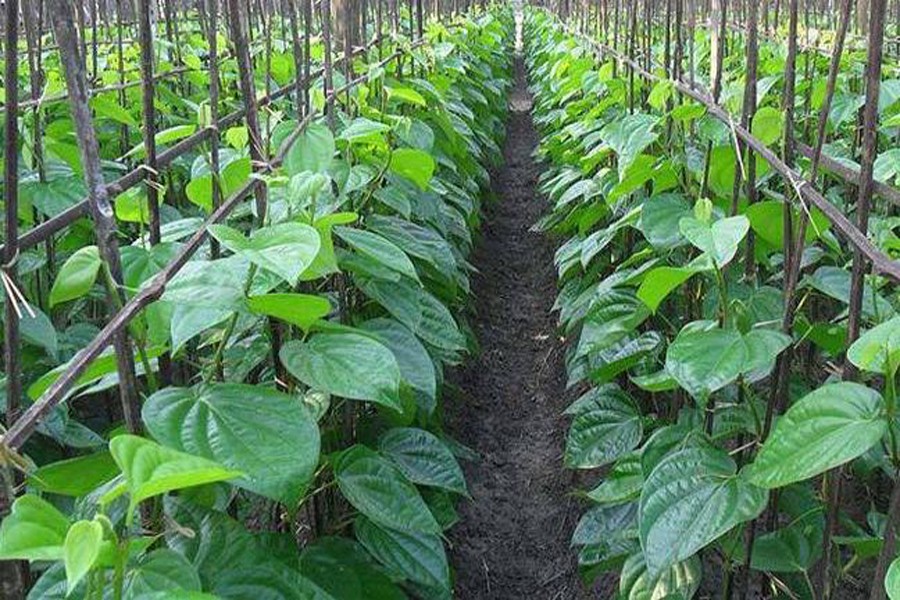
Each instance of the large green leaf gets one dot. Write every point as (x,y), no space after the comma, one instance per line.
(379,249)
(348,365)
(703,362)
(163,138)
(416,240)
(763,347)
(415,556)
(34,530)
(423,458)
(878,350)
(767,220)
(100,367)
(286,249)
(151,469)
(606,364)
(107,107)
(416,366)
(213,542)
(607,425)
(215,284)
(689,500)
(269,436)
(265,581)
(343,568)
(659,219)
(414,165)
(380,491)
(313,151)
(77,275)
(81,550)
(835,282)
(662,281)
(629,136)
(828,427)
(161,571)
(75,476)
(302,310)
(768,125)
(364,130)
(796,546)
(720,240)
(679,582)
(622,483)
(418,310)
(232,176)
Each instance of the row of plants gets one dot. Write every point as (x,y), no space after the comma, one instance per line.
(844,117)
(671,299)
(301,453)
(52,178)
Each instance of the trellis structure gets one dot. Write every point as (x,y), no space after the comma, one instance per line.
(654,41)
(83,31)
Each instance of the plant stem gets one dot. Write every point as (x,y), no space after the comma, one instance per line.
(139,338)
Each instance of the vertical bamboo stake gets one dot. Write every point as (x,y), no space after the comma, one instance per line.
(248,92)
(213,37)
(867,162)
(290,7)
(329,72)
(101,211)
(307,59)
(13,574)
(145,36)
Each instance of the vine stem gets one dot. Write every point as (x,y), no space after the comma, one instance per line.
(112,290)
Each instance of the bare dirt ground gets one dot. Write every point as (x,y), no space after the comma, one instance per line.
(512,541)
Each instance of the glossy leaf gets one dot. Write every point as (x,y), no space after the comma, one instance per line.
(302,310)
(379,249)
(313,151)
(348,365)
(720,240)
(286,249)
(416,366)
(270,437)
(415,165)
(415,556)
(689,500)
(343,569)
(892,580)
(423,458)
(161,571)
(703,362)
(380,491)
(80,550)
(34,530)
(878,349)
(75,476)
(607,425)
(77,275)
(679,582)
(827,428)
(151,469)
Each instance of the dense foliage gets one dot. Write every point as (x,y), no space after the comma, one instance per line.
(671,296)
(256,468)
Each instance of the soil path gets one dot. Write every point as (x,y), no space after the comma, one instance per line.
(512,541)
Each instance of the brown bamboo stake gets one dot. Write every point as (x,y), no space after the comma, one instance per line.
(101,211)
(13,574)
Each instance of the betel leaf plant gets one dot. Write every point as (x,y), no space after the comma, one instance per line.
(671,299)
(293,370)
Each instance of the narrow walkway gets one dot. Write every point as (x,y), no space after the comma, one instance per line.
(512,541)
